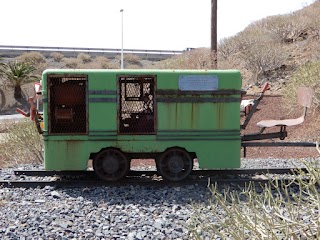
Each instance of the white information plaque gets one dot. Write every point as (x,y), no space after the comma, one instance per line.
(198,83)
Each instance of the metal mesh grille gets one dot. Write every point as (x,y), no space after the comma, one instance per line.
(136,104)
(67,104)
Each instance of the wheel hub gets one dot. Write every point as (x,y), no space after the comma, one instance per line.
(111,165)
(175,164)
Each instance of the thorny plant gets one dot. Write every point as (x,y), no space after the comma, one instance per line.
(274,211)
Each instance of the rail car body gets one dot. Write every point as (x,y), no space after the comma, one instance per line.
(113,116)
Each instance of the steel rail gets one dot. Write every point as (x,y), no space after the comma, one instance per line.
(211,173)
(141,182)
(278,144)
(149,178)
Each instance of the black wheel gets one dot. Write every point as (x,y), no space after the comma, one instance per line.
(175,164)
(111,164)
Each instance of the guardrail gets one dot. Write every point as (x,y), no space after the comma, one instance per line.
(14,51)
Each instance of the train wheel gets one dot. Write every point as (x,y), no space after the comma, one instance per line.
(111,164)
(175,164)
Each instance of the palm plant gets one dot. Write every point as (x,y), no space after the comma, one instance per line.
(15,74)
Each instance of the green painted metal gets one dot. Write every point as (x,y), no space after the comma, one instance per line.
(204,122)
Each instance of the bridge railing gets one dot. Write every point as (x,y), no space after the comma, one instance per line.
(12,51)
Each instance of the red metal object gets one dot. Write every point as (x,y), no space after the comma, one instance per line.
(265,87)
(23,112)
(33,109)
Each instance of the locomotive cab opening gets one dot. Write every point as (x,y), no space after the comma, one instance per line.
(136,105)
(67,104)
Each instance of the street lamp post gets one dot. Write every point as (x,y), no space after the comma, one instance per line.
(121,38)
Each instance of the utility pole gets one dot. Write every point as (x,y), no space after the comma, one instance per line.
(214,7)
(121,39)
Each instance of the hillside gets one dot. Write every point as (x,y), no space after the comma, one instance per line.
(270,50)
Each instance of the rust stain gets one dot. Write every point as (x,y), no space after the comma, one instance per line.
(220,113)
(194,114)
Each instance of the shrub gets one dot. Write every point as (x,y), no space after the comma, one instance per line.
(103,62)
(270,212)
(133,66)
(306,75)
(33,58)
(85,58)
(286,28)
(310,15)
(200,58)
(57,56)
(261,59)
(132,59)
(72,62)
(113,65)
(259,52)
(21,144)
(227,47)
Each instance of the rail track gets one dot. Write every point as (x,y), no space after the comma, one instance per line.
(83,179)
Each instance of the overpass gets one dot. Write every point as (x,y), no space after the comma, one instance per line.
(154,55)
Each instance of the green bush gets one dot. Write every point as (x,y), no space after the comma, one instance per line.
(21,144)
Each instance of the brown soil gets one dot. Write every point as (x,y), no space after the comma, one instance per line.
(272,107)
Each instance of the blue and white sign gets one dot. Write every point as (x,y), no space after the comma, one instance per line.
(198,83)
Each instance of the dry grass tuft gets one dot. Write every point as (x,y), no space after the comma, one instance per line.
(20,143)
(57,56)
(273,211)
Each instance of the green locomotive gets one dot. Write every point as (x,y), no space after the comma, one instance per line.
(113,116)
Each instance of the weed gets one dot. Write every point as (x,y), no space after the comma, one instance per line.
(21,144)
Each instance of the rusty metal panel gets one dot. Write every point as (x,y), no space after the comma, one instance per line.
(305,95)
(67,110)
(136,104)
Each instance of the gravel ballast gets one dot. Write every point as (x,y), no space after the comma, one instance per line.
(128,212)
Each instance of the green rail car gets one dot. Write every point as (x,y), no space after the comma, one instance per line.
(113,116)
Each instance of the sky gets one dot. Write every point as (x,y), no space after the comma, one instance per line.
(146,24)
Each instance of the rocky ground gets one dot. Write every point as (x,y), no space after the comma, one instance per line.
(129,212)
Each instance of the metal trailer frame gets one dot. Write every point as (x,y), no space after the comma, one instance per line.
(305,95)
(172,116)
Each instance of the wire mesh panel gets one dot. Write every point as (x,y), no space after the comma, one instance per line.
(136,104)
(67,104)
